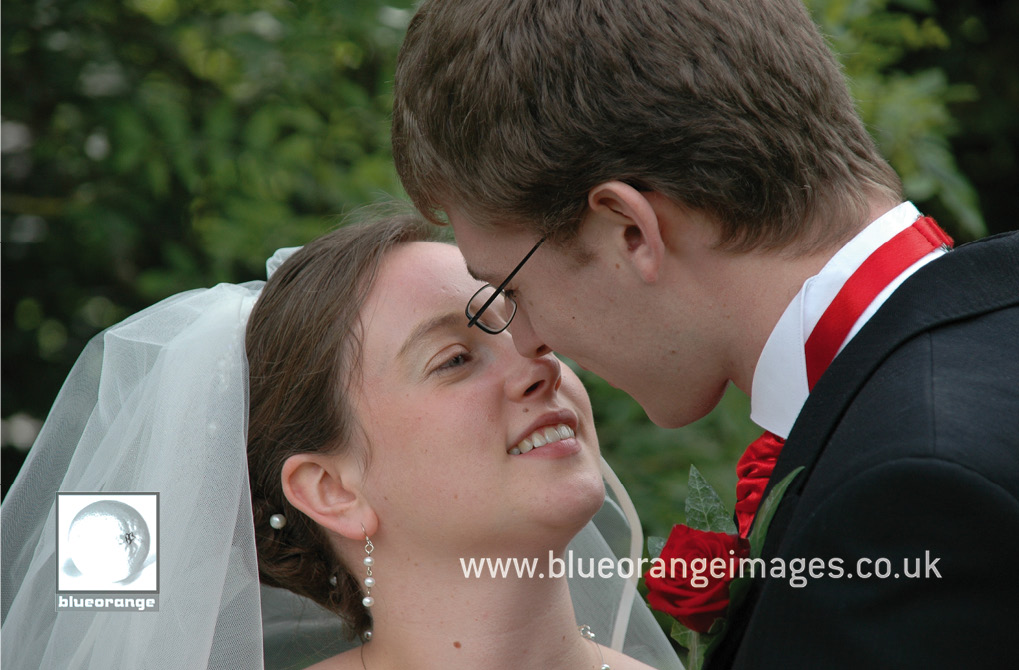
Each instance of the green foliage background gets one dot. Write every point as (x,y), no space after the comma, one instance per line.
(151,146)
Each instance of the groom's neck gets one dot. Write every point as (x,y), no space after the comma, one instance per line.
(766,282)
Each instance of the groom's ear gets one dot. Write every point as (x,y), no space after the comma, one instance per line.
(327,488)
(632,224)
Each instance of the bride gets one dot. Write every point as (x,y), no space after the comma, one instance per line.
(390,452)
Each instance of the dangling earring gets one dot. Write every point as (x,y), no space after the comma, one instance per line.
(369,582)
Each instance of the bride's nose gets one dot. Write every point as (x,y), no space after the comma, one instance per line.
(533,377)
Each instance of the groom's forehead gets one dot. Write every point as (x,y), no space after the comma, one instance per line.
(487,251)
(480,256)
(481,273)
(486,277)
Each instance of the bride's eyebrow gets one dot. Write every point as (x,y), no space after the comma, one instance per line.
(425,328)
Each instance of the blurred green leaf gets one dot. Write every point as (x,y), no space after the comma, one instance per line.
(655,545)
(704,509)
(907,113)
(170,144)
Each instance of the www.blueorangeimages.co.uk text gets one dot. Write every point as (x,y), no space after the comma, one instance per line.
(699,571)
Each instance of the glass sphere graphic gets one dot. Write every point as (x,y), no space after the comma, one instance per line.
(108,540)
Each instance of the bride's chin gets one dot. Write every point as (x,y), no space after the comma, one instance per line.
(576,504)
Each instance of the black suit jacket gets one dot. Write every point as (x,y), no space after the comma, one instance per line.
(910,443)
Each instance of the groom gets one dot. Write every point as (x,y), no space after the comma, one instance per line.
(681,195)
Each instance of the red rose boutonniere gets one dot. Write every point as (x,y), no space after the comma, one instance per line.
(700,562)
(695,577)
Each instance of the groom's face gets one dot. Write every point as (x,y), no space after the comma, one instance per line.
(591,307)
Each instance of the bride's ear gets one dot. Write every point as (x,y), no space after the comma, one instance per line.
(328,490)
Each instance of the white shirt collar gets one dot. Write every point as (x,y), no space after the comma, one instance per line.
(779,387)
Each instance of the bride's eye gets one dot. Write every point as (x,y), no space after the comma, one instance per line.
(455,361)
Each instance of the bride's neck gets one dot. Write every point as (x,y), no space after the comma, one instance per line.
(428,614)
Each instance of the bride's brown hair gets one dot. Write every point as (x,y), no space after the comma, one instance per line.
(303,351)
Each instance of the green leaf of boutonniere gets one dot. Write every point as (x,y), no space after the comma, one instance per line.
(683,635)
(697,645)
(766,511)
(655,545)
(704,509)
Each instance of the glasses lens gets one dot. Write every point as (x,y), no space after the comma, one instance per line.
(497,315)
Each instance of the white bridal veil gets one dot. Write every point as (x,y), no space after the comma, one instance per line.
(158,403)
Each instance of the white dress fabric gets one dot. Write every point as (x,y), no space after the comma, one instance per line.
(158,403)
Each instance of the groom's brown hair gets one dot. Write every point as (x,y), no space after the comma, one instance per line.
(512,110)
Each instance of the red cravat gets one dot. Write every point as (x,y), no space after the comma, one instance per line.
(889,261)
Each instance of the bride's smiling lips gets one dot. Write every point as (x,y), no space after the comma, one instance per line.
(552,433)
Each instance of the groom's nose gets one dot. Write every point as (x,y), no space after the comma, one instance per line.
(525,339)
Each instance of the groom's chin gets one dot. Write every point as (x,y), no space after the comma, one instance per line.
(681,408)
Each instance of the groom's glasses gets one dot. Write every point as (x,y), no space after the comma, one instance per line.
(498,315)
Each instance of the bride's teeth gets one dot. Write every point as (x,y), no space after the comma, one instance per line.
(542,437)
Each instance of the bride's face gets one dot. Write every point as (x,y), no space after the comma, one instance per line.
(442,406)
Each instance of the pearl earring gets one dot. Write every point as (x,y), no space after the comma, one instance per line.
(369,581)
(277,521)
